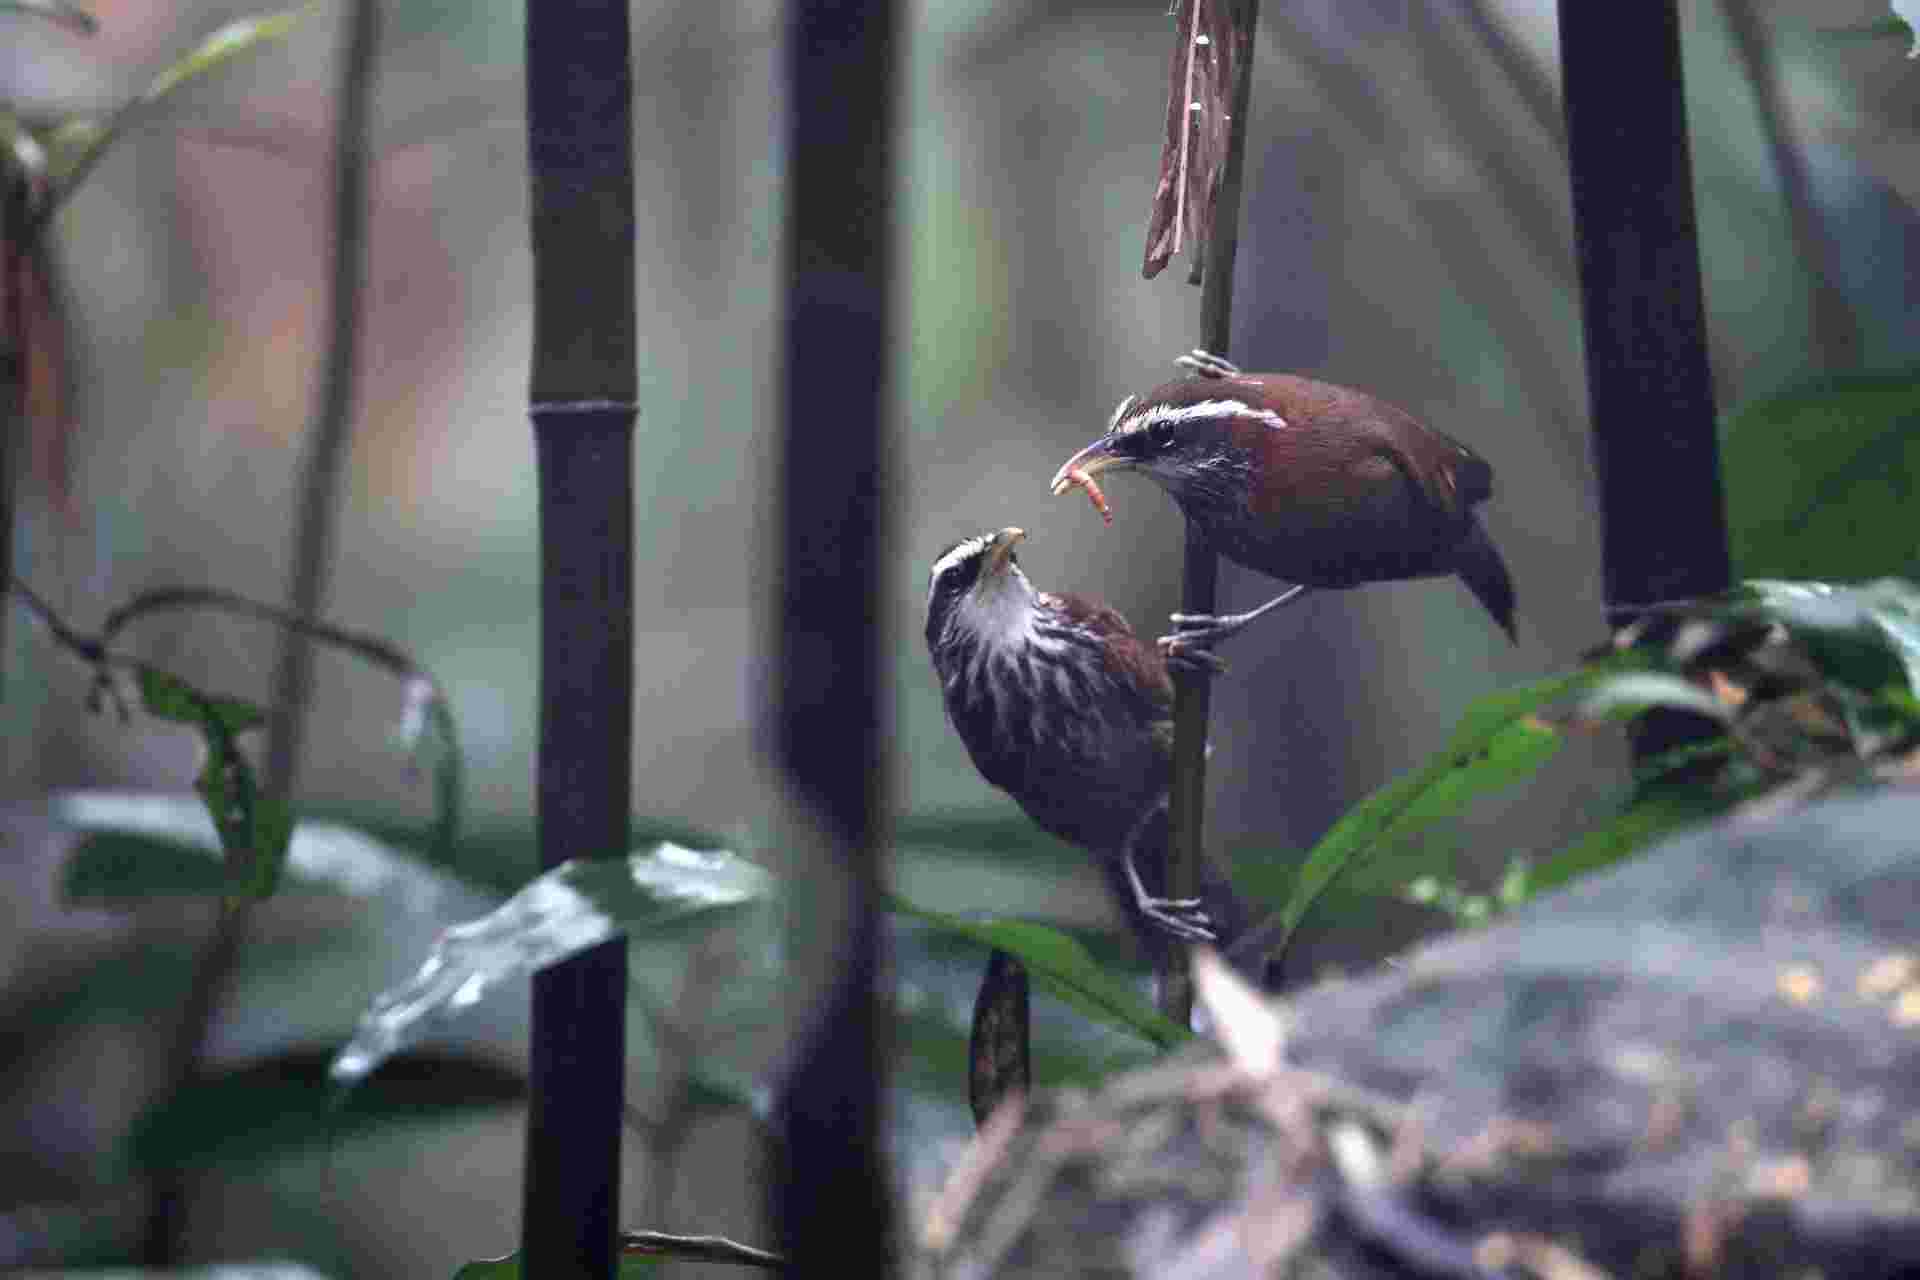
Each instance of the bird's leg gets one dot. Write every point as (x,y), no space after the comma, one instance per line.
(1205,364)
(1195,660)
(1194,634)
(1181,918)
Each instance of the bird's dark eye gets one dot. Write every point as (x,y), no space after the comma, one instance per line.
(1161,433)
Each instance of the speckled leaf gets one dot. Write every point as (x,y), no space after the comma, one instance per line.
(577,905)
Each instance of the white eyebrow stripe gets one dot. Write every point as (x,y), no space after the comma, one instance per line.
(1160,413)
(959,555)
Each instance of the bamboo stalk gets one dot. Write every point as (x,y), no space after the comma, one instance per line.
(583,388)
(1655,443)
(843,66)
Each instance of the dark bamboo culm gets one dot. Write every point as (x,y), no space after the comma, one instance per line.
(830,1192)
(1655,446)
(583,387)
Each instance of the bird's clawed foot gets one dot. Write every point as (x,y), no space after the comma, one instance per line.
(1191,656)
(1205,364)
(1181,918)
(1196,634)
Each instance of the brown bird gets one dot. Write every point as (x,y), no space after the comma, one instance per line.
(1062,707)
(1311,483)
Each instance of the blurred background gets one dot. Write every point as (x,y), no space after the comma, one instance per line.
(1406,229)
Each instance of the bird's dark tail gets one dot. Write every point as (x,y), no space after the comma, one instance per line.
(1479,565)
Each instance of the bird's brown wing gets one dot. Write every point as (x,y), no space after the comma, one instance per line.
(1136,667)
(1450,475)
(1136,664)
(1372,431)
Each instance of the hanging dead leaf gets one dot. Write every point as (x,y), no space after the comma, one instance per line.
(1207,40)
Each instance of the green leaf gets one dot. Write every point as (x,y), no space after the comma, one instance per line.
(997,833)
(142,985)
(254,829)
(1884,29)
(1866,636)
(1625,696)
(79,143)
(1657,813)
(266,1109)
(126,868)
(1494,745)
(1821,480)
(1650,772)
(113,868)
(242,35)
(1906,12)
(25,155)
(712,1085)
(1063,967)
(503,1268)
(575,906)
(449,779)
(171,698)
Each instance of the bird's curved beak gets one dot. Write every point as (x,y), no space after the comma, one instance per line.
(1090,461)
(1001,552)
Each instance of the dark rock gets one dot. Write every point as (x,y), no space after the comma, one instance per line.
(1704,1063)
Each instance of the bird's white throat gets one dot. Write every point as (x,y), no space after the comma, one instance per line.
(1002,609)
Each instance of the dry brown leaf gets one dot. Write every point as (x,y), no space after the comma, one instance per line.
(1199,106)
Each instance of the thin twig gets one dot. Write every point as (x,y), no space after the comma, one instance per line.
(16,243)
(212,973)
(659,1244)
(1192,696)
(97,650)
(328,444)
(376,650)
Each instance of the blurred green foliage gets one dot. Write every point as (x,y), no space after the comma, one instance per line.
(254,827)
(1804,681)
(1821,480)
(266,1109)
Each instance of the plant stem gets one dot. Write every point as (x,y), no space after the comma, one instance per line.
(17,243)
(329,441)
(1192,697)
